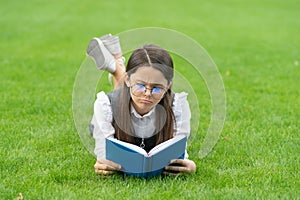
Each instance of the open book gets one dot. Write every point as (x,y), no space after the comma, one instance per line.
(136,161)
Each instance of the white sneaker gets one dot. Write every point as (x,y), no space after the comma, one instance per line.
(112,43)
(102,57)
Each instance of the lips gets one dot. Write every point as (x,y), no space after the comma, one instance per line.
(145,101)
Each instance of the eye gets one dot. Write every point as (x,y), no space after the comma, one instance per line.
(140,87)
(156,90)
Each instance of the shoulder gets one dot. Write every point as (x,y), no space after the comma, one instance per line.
(180,99)
(102,98)
(108,102)
(102,107)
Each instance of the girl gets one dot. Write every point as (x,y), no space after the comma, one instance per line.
(142,109)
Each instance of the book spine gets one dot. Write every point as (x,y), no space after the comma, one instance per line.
(147,165)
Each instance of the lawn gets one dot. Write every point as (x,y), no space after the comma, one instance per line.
(255,46)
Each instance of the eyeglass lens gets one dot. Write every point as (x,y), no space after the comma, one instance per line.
(140,89)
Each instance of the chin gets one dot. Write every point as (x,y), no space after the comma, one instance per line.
(145,109)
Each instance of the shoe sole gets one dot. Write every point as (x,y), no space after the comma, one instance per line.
(102,57)
(94,51)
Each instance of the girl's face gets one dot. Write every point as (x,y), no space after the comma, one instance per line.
(147,88)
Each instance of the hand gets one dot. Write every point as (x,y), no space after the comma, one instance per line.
(106,167)
(180,166)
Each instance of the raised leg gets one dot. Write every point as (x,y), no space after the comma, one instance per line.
(118,75)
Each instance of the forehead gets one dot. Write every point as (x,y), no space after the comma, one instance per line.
(149,75)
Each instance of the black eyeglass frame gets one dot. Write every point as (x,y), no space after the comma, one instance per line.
(146,88)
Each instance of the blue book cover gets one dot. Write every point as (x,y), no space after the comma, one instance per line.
(136,161)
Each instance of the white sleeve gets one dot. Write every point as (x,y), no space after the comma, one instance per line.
(182,114)
(102,121)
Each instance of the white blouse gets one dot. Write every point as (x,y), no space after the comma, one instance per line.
(143,125)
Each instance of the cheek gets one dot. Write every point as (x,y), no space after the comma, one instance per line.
(133,98)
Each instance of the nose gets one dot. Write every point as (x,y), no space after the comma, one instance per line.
(148,92)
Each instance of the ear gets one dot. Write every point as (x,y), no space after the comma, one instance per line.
(126,79)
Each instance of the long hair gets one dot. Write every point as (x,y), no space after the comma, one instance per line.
(158,58)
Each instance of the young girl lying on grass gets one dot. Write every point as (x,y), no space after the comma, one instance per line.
(136,116)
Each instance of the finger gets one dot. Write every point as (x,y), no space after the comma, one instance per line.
(178,161)
(105,167)
(108,172)
(108,168)
(177,168)
(110,163)
(170,173)
(98,171)
(97,165)
(103,172)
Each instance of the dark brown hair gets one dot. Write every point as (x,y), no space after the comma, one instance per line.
(158,58)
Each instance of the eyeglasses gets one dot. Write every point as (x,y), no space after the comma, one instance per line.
(140,90)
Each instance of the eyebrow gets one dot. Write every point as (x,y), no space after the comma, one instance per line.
(152,84)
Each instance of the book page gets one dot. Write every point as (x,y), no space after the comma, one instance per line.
(129,146)
(165,144)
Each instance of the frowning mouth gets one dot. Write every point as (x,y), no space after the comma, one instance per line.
(145,101)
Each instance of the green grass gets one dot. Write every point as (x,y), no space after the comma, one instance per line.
(255,46)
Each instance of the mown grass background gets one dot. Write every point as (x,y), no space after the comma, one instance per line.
(255,46)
